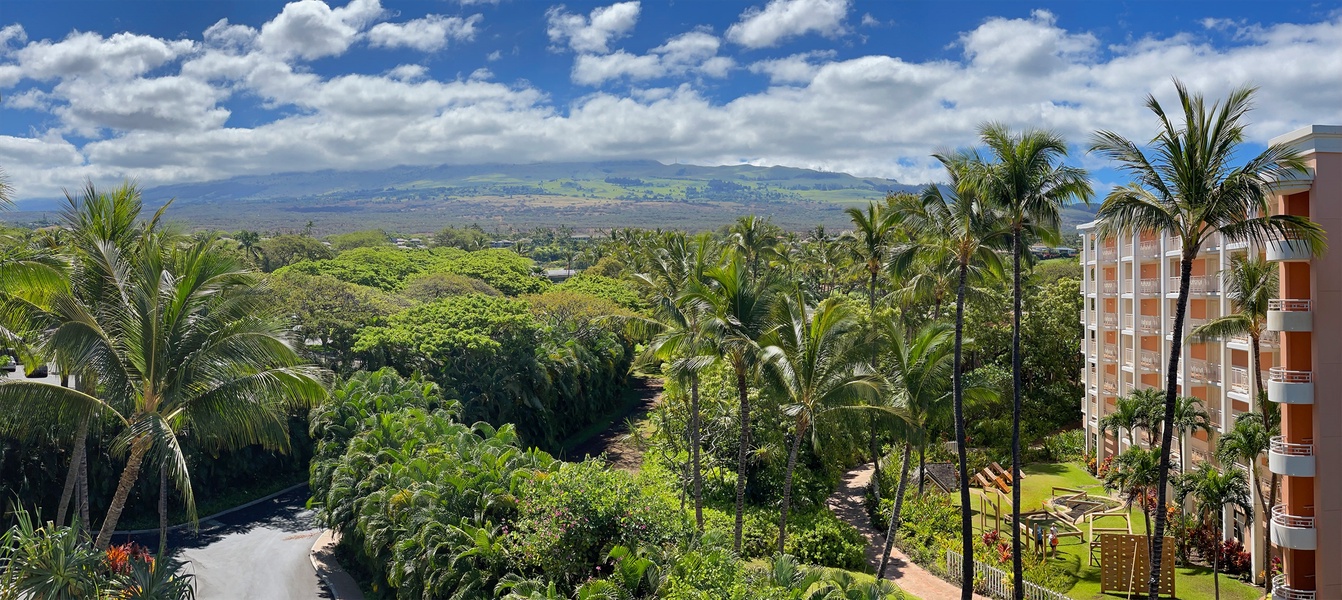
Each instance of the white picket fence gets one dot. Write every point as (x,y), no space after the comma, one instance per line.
(994,582)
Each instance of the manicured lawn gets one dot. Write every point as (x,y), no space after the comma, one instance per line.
(1191,583)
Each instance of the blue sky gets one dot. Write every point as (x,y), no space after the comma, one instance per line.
(186,91)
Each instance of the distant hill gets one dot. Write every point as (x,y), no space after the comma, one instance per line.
(583,195)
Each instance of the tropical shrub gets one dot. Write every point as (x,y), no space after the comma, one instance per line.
(428,287)
(505,270)
(820,538)
(606,288)
(1066,446)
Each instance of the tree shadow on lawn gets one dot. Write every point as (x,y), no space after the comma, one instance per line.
(1045,469)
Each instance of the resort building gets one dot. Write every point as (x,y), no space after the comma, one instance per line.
(1129,291)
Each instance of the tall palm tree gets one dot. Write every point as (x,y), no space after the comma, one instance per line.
(1190,190)
(1247,442)
(1030,185)
(735,313)
(961,227)
(680,338)
(185,345)
(1135,472)
(870,243)
(1214,489)
(1139,410)
(812,362)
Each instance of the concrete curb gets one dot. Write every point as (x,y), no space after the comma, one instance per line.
(340,584)
(218,514)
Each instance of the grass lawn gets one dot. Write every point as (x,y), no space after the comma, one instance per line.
(1191,583)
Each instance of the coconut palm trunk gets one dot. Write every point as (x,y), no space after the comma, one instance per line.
(787,482)
(695,439)
(743,393)
(72,477)
(1265,502)
(892,528)
(163,509)
(1017,564)
(139,448)
(1171,393)
(958,393)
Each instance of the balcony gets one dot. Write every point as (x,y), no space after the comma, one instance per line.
(1150,360)
(1214,418)
(1244,342)
(1150,324)
(1109,287)
(1148,249)
(1212,243)
(1203,371)
(1149,286)
(1108,253)
(1129,357)
(1110,320)
(1281,591)
(1290,387)
(1295,460)
(1110,353)
(1198,285)
(1290,315)
(1239,380)
(1293,531)
(1127,322)
(1287,248)
(1109,386)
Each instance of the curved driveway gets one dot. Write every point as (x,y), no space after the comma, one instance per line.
(259,553)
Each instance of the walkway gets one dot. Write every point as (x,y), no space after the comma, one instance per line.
(261,552)
(846,503)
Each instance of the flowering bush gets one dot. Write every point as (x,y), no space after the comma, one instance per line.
(1104,467)
(991,538)
(1234,560)
(1091,463)
(117,559)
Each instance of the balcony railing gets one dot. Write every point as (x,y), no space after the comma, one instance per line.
(1281,591)
(1150,360)
(1282,375)
(1150,323)
(1214,417)
(1108,253)
(1110,352)
(1093,349)
(1200,285)
(1201,370)
(1281,517)
(1148,249)
(1128,356)
(1109,287)
(1293,531)
(1149,286)
(1289,305)
(1127,321)
(1268,338)
(1109,320)
(1239,379)
(1212,242)
(1109,386)
(1280,446)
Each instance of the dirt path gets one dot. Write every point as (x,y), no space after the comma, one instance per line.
(609,441)
(846,503)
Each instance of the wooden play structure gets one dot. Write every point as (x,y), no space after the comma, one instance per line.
(1098,532)
(993,477)
(1125,564)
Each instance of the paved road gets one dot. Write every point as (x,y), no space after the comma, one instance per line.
(258,553)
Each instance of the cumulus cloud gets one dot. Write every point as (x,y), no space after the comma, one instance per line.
(311,29)
(136,106)
(690,52)
(429,34)
(592,33)
(783,19)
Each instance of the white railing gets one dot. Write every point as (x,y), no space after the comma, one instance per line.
(1150,360)
(1285,519)
(1239,379)
(1127,321)
(1149,286)
(1110,287)
(1148,249)
(1281,591)
(1108,253)
(1128,354)
(994,582)
(1110,320)
(1285,448)
(1267,338)
(1214,417)
(1281,375)
(1109,386)
(1110,352)
(1198,284)
(1289,305)
(1201,370)
(1094,349)
(1150,323)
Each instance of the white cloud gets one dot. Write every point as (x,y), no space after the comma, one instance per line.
(783,19)
(311,29)
(495,55)
(14,33)
(428,34)
(870,21)
(155,109)
(592,33)
(798,68)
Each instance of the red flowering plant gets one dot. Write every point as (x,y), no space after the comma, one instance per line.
(117,559)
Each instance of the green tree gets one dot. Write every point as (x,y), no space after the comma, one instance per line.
(1189,417)
(331,312)
(1138,410)
(812,363)
(1135,473)
(249,242)
(468,238)
(184,344)
(735,308)
(1214,489)
(284,250)
(1191,191)
(1030,186)
(369,238)
(1247,442)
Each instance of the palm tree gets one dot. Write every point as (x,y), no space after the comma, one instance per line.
(1247,442)
(870,243)
(735,313)
(1191,191)
(184,345)
(1213,489)
(680,340)
(959,226)
(1134,473)
(811,362)
(1138,410)
(1030,185)
(1189,417)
